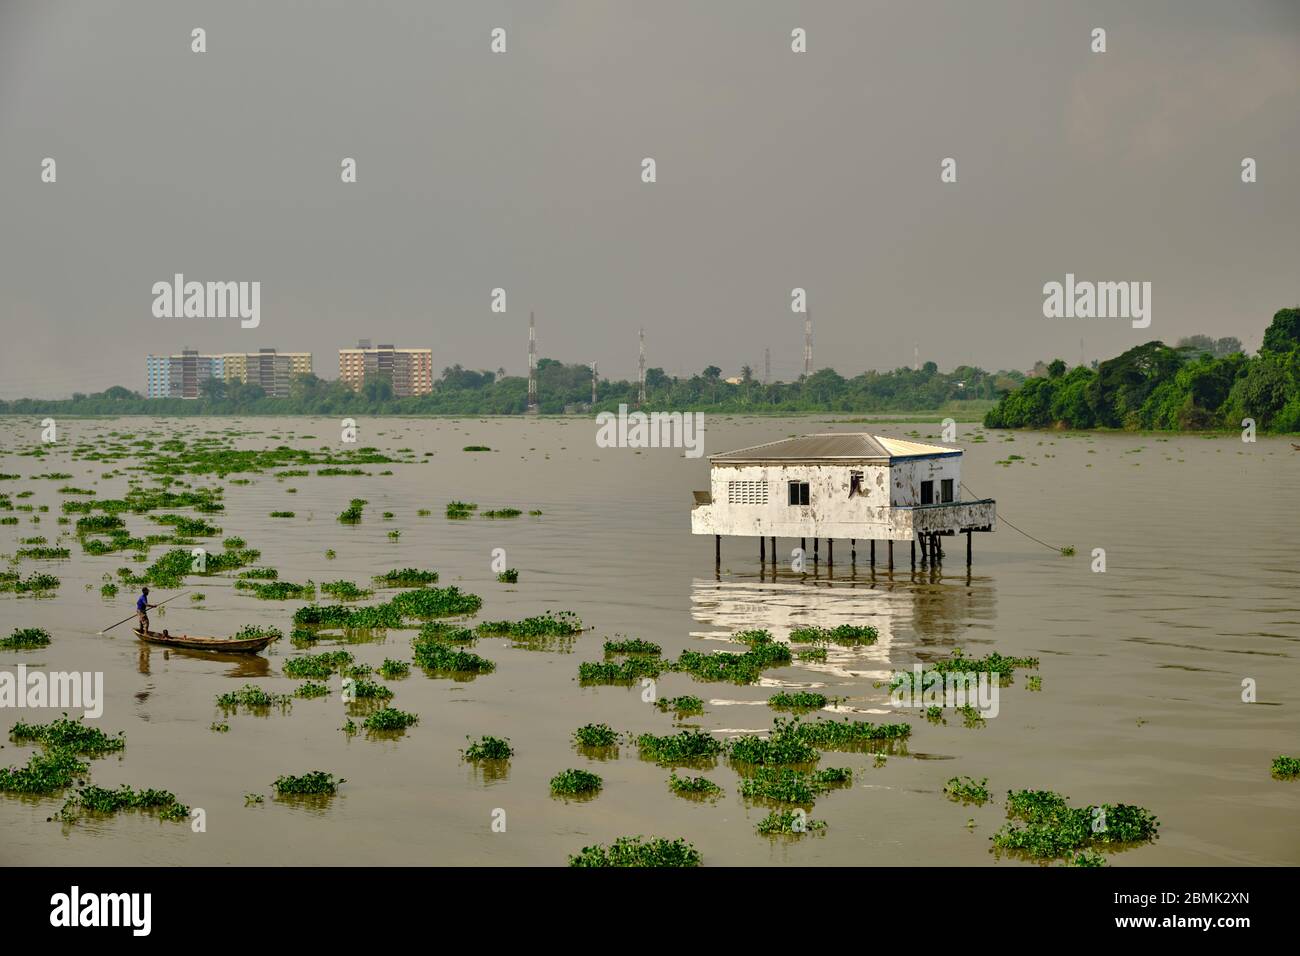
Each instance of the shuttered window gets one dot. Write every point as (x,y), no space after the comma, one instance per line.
(747,492)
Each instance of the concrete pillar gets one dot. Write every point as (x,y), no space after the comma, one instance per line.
(816,544)
(762,550)
(773,551)
(717,550)
(891,554)
(853,550)
(968,548)
(913,554)
(830,552)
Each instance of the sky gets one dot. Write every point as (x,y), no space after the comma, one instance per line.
(522,170)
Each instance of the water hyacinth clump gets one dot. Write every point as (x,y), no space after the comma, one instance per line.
(1286,768)
(488,748)
(575,783)
(24,638)
(502,513)
(784,746)
(596,736)
(843,634)
(71,735)
(391,669)
(370,690)
(460,509)
(634,852)
(278,590)
(311,689)
(966,790)
(406,578)
(764,652)
(317,665)
(786,785)
(344,591)
(686,746)
(390,719)
(425,603)
(788,823)
(509,576)
(632,645)
(314,782)
(1043,826)
(103,802)
(560,624)
(623,672)
(799,701)
(45,773)
(685,706)
(252,697)
(352,513)
(693,786)
(850,734)
(437,656)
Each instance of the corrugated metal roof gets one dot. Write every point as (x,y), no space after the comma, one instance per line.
(847,446)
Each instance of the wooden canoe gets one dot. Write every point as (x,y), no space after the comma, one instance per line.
(194,642)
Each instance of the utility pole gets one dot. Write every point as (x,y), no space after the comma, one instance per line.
(532,366)
(807,344)
(641,370)
(767,365)
(593,383)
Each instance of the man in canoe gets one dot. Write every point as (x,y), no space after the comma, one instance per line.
(142,610)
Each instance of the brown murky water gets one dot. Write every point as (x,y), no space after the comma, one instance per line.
(1141,666)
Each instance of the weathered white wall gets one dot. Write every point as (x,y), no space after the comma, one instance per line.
(882,511)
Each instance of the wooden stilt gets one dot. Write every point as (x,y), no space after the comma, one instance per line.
(891,554)
(762,550)
(717,550)
(774,551)
(830,552)
(913,554)
(968,548)
(816,544)
(853,550)
(873,552)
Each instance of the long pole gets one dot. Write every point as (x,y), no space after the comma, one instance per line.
(159,604)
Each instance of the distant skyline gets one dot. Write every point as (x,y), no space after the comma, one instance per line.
(522,171)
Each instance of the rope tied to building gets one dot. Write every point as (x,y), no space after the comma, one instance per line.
(1003,519)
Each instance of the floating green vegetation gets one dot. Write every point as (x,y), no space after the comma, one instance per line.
(488,748)
(344,591)
(317,665)
(509,576)
(993,663)
(44,553)
(563,624)
(621,672)
(220,727)
(1286,768)
(687,705)
(1068,550)
(352,513)
(783,746)
(46,772)
(1086,859)
(330,554)
(394,535)
(744,668)
(813,654)
(186,527)
(476,448)
(849,734)
(425,603)
(1033,682)
(684,747)
(798,787)
(387,516)
(848,634)
(259,574)
(388,719)
(24,638)
(632,645)
(575,783)
(254,631)
(447,633)
(311,689)
(283,514)
(788,823)
(32,584)
(278,590)
(934,714)
(378,617)
(314,782)
(371,690)
(1043,826)
(535,512)
(503,513)
(252,697)
(70,735)
(632,851)
(693,786)
(434,654)
(460,509)
(803,700)
(971,717)
(406,578)
(391,669)
(966,790)
(595,736)
(103,802)
(253,798)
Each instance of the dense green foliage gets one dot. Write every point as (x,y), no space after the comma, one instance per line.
(1154,386)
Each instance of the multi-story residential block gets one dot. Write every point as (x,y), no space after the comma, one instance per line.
(409,370)
(184,375)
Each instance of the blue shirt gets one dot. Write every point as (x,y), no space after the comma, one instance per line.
(142,604)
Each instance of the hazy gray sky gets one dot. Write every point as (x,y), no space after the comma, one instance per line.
(522,170)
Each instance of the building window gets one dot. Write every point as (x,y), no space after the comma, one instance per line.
(927,492)
(747,492)
(947,489)
(798,493)
(855,484)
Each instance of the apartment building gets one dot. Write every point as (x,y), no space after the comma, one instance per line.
(184,375)
(409,370)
